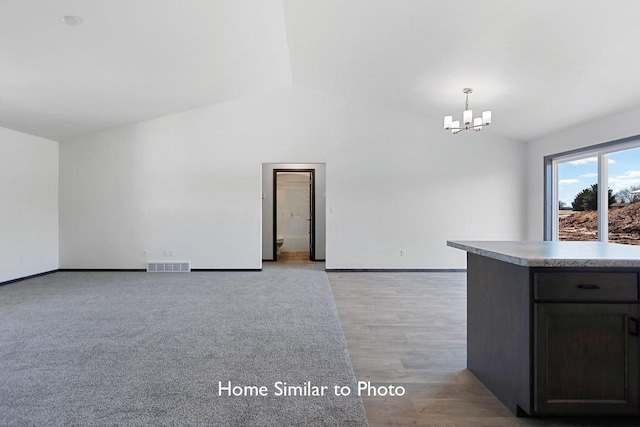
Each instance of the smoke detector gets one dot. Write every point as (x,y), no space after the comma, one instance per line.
(72,20)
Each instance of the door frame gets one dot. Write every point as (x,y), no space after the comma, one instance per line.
(312,203)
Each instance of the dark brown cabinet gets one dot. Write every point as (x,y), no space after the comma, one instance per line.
(586,342)
(586,358)
(555,341)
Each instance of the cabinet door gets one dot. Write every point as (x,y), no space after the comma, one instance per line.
(586,359)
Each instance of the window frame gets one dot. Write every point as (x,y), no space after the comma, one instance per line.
(601,151)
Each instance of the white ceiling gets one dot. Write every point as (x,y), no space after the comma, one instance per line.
(539,65)
(132,60)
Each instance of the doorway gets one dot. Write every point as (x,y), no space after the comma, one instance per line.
(294,214)
(319,200)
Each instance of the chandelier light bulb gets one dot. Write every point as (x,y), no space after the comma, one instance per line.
(467,116)
(448,122)
(468,121)
(486,118)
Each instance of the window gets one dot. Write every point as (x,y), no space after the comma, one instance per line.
(577,189)
(576,210)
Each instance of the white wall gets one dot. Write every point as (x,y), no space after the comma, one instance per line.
(28,205)
(191,182)
(584,135)
(267,206)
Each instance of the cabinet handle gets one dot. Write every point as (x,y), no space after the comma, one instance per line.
(633,326)
(590,287)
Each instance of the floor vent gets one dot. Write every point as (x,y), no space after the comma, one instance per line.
(169,267)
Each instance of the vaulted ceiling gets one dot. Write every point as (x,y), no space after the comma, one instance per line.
(541,66)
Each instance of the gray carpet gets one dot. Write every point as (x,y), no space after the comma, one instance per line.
(134,349)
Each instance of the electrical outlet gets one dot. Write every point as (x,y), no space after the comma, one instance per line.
(332,210)
(20,260)
(145,253)
(403,252)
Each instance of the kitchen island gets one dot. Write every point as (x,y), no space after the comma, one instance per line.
(552,327)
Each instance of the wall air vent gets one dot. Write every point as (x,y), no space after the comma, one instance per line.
(169,267)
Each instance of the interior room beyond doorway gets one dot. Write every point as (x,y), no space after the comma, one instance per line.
(294,214)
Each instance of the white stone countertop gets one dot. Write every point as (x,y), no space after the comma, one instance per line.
(554,254)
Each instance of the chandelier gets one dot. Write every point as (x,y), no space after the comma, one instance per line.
(468,122)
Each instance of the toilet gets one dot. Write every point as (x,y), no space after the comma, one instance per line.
(279,242)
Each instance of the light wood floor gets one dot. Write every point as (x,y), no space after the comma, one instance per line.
(293,256)
(409,329)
